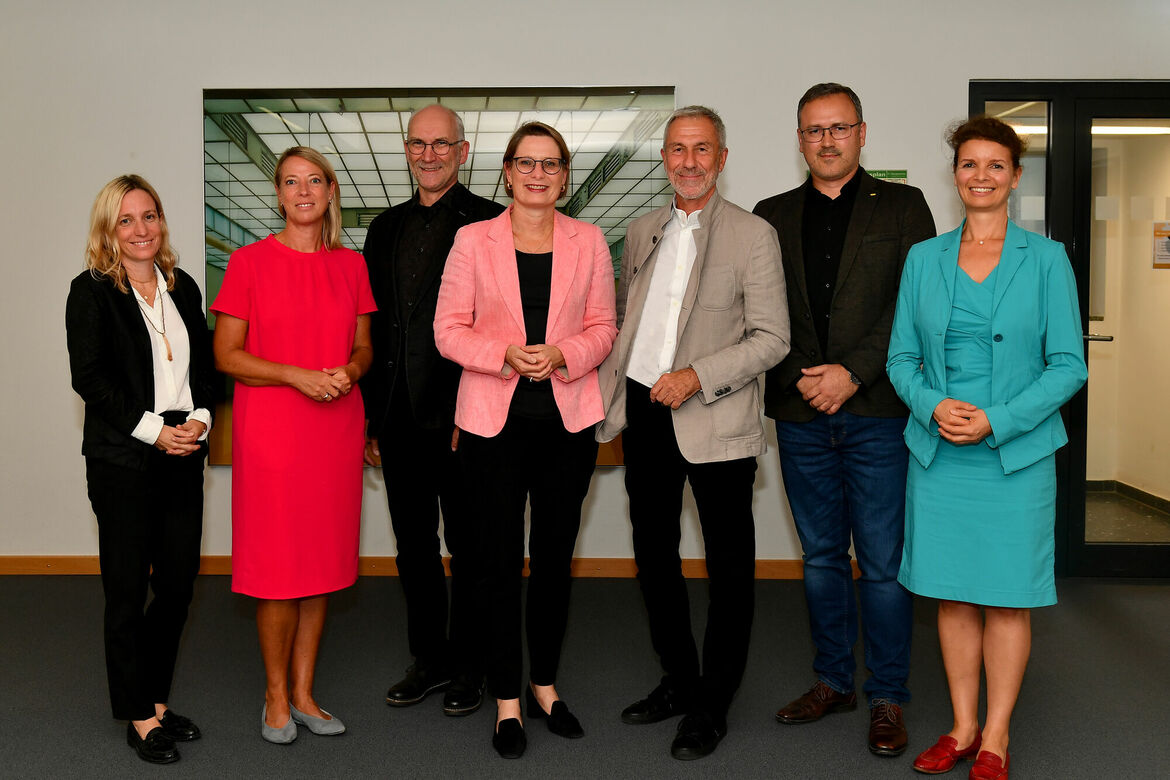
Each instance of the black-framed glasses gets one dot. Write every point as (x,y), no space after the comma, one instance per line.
(550,165)
(837,132)
(440,147)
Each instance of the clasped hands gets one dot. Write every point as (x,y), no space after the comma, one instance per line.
(535,361)
(180,439)
(673,388)
(960,422)
(324,385)
(826,387)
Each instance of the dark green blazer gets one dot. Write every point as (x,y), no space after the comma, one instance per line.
(887,220)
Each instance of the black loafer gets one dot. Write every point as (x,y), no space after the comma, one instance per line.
(463,697)
(156,748)
(508,739)
(178,728)
(662,703)
(420,682)
(698,736)
(560,721)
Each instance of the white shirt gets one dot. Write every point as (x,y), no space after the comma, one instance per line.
(652,353)
(172,385)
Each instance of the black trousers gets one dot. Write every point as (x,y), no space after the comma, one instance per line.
(535,461)
(150,524)
(655,473)
(423,476)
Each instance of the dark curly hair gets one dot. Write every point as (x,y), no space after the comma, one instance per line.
(985,128)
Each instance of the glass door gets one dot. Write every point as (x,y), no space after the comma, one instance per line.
(1104,149)
(1126,235)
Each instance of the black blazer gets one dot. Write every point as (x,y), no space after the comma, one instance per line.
(112,366)
(887,220)
(431,380)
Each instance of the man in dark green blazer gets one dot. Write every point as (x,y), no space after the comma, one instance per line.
(844,237)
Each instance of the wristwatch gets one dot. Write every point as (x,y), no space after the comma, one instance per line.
(853,378)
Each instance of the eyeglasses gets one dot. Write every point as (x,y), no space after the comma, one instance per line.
(439,147)
(838,132)
(551,165)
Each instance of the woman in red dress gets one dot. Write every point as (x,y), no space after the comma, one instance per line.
(293,329)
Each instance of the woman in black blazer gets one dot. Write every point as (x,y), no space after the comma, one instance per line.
(140,358)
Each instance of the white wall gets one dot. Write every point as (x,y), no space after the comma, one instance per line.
(93,90)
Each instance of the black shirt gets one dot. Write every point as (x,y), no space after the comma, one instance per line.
(425,239)
(535,399)
(823,227)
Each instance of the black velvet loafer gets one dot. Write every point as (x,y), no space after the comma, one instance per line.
(178,728)
(156,748)
(508,739)
(560,721)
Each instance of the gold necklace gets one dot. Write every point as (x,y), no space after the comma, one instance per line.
(162,308)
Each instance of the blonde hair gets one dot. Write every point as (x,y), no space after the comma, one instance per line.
(331,226)
(102,255)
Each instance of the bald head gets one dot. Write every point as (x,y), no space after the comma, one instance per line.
(437,133)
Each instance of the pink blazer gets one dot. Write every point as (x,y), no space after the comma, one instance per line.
(479,315)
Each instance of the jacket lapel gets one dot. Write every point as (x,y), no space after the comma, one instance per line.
(502,256)
(1015,249)
(864,204)
(564,267)
(948,261)
(702,236)
(640,269)
(791,222)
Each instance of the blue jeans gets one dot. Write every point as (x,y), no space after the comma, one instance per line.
(845,476)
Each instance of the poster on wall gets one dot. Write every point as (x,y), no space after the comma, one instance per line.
(1162,245)
(614,135)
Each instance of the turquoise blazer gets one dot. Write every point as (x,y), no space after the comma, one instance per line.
(1038,354)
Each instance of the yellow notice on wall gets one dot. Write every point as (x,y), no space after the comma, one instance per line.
(1162,245)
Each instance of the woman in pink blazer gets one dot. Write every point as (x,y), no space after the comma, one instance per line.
(527,308)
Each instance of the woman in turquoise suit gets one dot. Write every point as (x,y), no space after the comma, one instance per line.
(986,347)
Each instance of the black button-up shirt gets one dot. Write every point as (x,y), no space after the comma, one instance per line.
(823,227)
(425,239)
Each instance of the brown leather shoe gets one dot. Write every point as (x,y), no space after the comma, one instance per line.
(887,732)
(816,704)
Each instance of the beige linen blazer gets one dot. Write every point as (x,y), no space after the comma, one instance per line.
(733,327)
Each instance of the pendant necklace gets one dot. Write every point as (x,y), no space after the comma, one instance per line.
(163,318)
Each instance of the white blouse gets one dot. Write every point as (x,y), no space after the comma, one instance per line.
(172,385)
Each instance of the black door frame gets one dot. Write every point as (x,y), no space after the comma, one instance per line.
(1068,205)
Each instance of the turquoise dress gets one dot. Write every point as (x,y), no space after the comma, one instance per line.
(973,533)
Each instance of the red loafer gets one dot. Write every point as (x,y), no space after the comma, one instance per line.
(943,755)
(989,766)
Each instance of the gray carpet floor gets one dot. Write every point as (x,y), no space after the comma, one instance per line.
(1094,703)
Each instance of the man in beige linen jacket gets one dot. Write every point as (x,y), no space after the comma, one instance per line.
(703,313)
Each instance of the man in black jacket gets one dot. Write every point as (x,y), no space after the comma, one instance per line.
(844,237)
(409,394)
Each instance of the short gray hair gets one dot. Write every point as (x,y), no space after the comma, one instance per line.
(692,112)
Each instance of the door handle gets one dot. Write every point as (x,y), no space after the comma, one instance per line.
(1097,337)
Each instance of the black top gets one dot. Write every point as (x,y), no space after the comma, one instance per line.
(823,227)
(427,234)
(535,399)
(407,364)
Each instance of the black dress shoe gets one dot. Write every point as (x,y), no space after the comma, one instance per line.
(698,736)
(156,748)
(420,682)
(463,697)
(662,703)
(508,739)
(178,728)
(560,721)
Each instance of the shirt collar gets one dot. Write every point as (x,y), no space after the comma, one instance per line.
(848,189)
